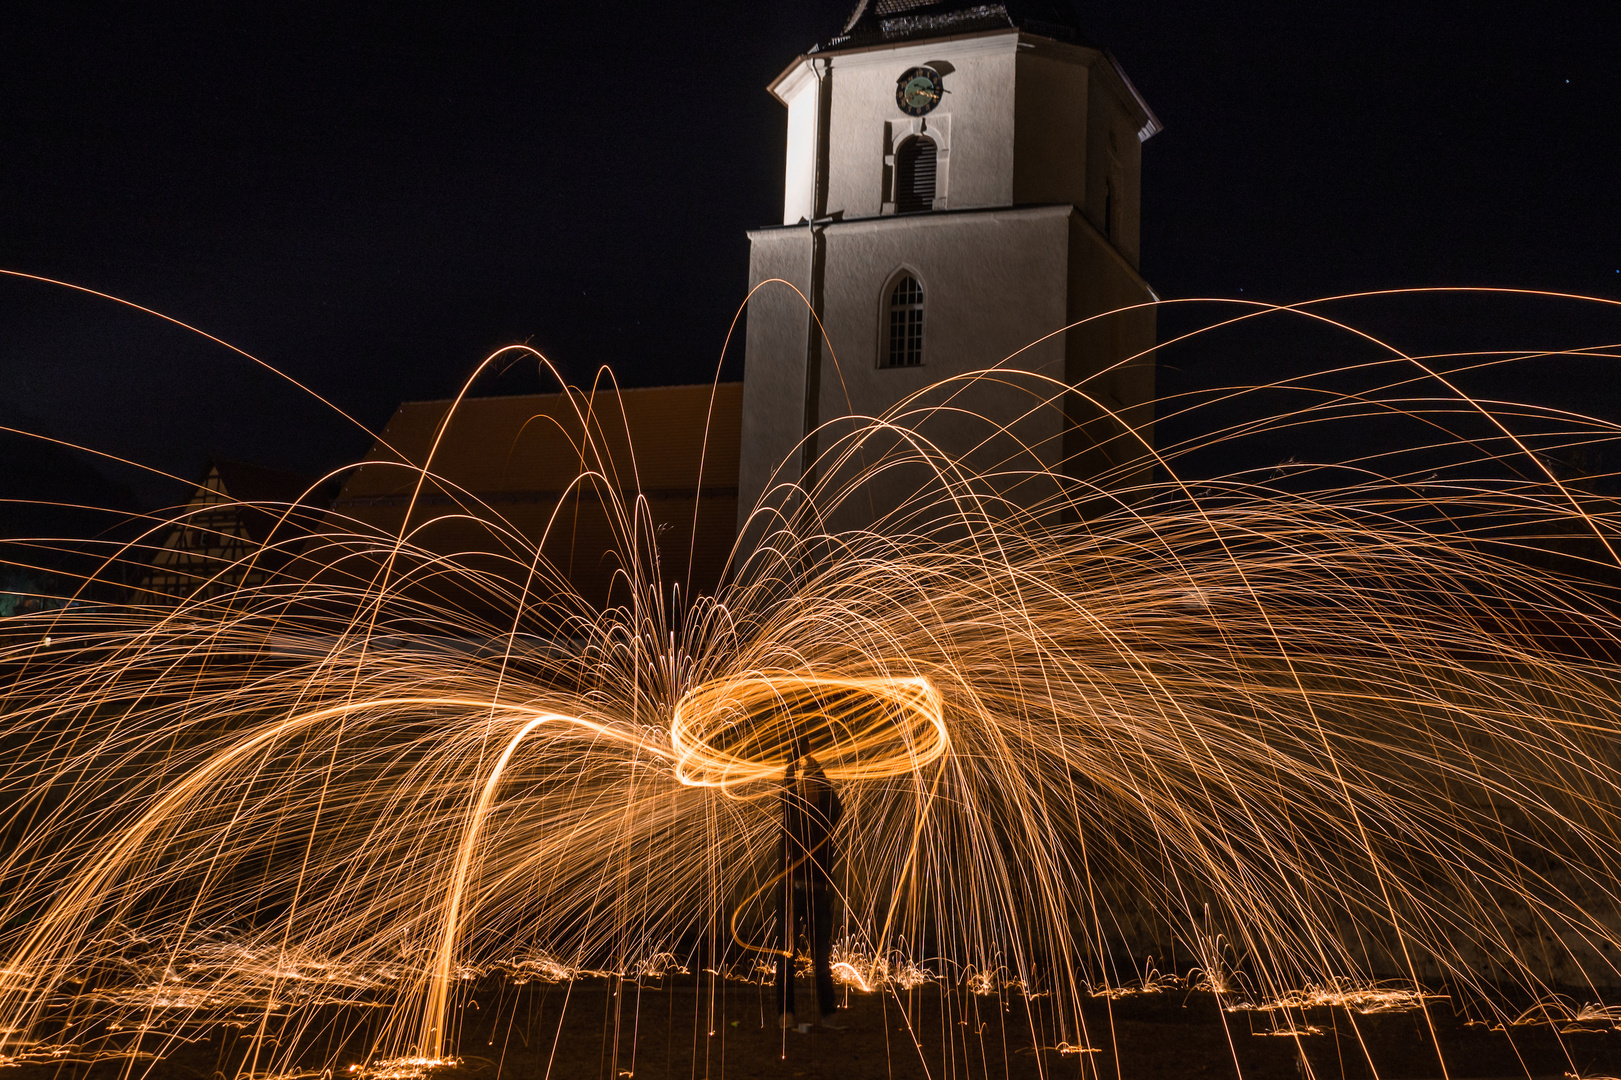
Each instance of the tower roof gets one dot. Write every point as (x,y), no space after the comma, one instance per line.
(876,22)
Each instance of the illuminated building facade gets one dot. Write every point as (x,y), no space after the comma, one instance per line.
(961,182)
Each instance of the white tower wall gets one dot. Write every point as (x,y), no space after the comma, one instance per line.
(1033,227)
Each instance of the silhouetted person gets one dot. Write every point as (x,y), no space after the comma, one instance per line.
(810,810)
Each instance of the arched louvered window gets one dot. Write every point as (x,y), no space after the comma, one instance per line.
(904,315)
(914,175)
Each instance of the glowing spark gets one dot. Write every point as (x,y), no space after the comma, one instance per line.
(1332,732)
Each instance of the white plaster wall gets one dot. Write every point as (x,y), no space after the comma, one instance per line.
(1050,159)
(993,283)
(1030,132)
(1109,360)
(774,364)
(979,104)
(1025,121)
(798,92)
(1113,149)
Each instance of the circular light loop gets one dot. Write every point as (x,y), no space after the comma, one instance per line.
(736,731)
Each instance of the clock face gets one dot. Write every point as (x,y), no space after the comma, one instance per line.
(918,90)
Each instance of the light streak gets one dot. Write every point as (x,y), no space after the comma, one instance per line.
(1337,733)
(738,731)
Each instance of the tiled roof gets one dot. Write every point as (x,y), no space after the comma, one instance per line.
(514,463)
(877,22)
(651,438)
(246,482)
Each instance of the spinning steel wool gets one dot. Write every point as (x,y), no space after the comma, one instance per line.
(1336,731)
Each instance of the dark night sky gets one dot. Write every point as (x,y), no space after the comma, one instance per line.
(372,197)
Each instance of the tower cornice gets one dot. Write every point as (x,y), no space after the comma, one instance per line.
(996,40)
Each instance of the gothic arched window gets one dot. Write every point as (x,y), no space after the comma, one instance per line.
(903,313)
(914,175)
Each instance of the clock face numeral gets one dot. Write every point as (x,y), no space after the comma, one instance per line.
(918,90)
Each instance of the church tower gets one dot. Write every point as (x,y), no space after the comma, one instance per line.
(962,182)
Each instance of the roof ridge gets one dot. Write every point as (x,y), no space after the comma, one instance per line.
(880,21)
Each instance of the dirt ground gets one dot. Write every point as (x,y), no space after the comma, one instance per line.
(688,1029)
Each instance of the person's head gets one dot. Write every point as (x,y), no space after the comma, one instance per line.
(799,756)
